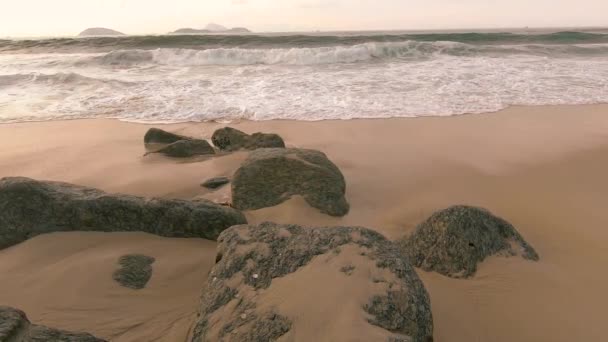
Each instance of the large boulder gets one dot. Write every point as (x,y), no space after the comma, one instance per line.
(187,148)
(454,240)
(270,176)
(29,207)
(158,136)
(15,326)
(230,139)
(251,293)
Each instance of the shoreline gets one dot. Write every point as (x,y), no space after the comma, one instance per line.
(541,168)
(509,108)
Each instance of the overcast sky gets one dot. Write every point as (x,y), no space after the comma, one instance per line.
(69,17)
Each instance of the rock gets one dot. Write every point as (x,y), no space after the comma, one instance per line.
(216,182)
(271,176)
(270,251)
(29,208)
(158,136)
(187,149)
(230,139)
(100,31)
(454,240)
(135,271)
(15,326)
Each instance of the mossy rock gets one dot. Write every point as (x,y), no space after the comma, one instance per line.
(455,240)
(135,271)
(231,139)
(187,148)
(271,176)
(29,207)
(251,257)
(159,136)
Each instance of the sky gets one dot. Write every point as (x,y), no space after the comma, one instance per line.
(69,17)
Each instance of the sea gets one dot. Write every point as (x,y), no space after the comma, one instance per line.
(312,76)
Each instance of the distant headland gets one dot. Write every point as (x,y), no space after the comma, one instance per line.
(99,31)
(211,28)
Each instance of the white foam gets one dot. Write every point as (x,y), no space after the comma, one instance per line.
(302,84)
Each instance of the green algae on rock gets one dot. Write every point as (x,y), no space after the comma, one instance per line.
(29,207)
(271,176)
(454,240)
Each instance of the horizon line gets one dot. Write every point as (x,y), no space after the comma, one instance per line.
(468,29)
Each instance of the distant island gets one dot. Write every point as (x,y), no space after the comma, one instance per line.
(100,31)
(215,27)
(211,28)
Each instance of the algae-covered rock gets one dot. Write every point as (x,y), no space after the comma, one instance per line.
(271,176)
(29,207)
(454,240)
(251,258)
(187,148)
(159,136)
(231,139)
(135,271)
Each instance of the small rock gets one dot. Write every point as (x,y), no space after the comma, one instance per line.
(135,271)
(348,270)
(158,136)
(216,182)
(187,148)
(255,276)
(230,139)
(15,326)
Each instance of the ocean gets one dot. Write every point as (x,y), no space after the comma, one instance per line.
(347,75)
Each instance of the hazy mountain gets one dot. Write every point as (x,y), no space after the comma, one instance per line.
(206,30)
(100,31)
(215,27)
(238,30)
(191,31)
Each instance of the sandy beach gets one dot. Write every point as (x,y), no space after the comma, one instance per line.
(541,168)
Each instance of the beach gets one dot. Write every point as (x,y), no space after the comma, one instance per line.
(542,168)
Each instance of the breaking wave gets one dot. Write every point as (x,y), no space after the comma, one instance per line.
(411,50)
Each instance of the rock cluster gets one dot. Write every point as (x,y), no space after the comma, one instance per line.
(272,173)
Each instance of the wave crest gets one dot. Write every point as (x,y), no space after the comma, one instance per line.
(411,50)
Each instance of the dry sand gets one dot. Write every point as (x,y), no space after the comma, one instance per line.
(65,281)
(542,168)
